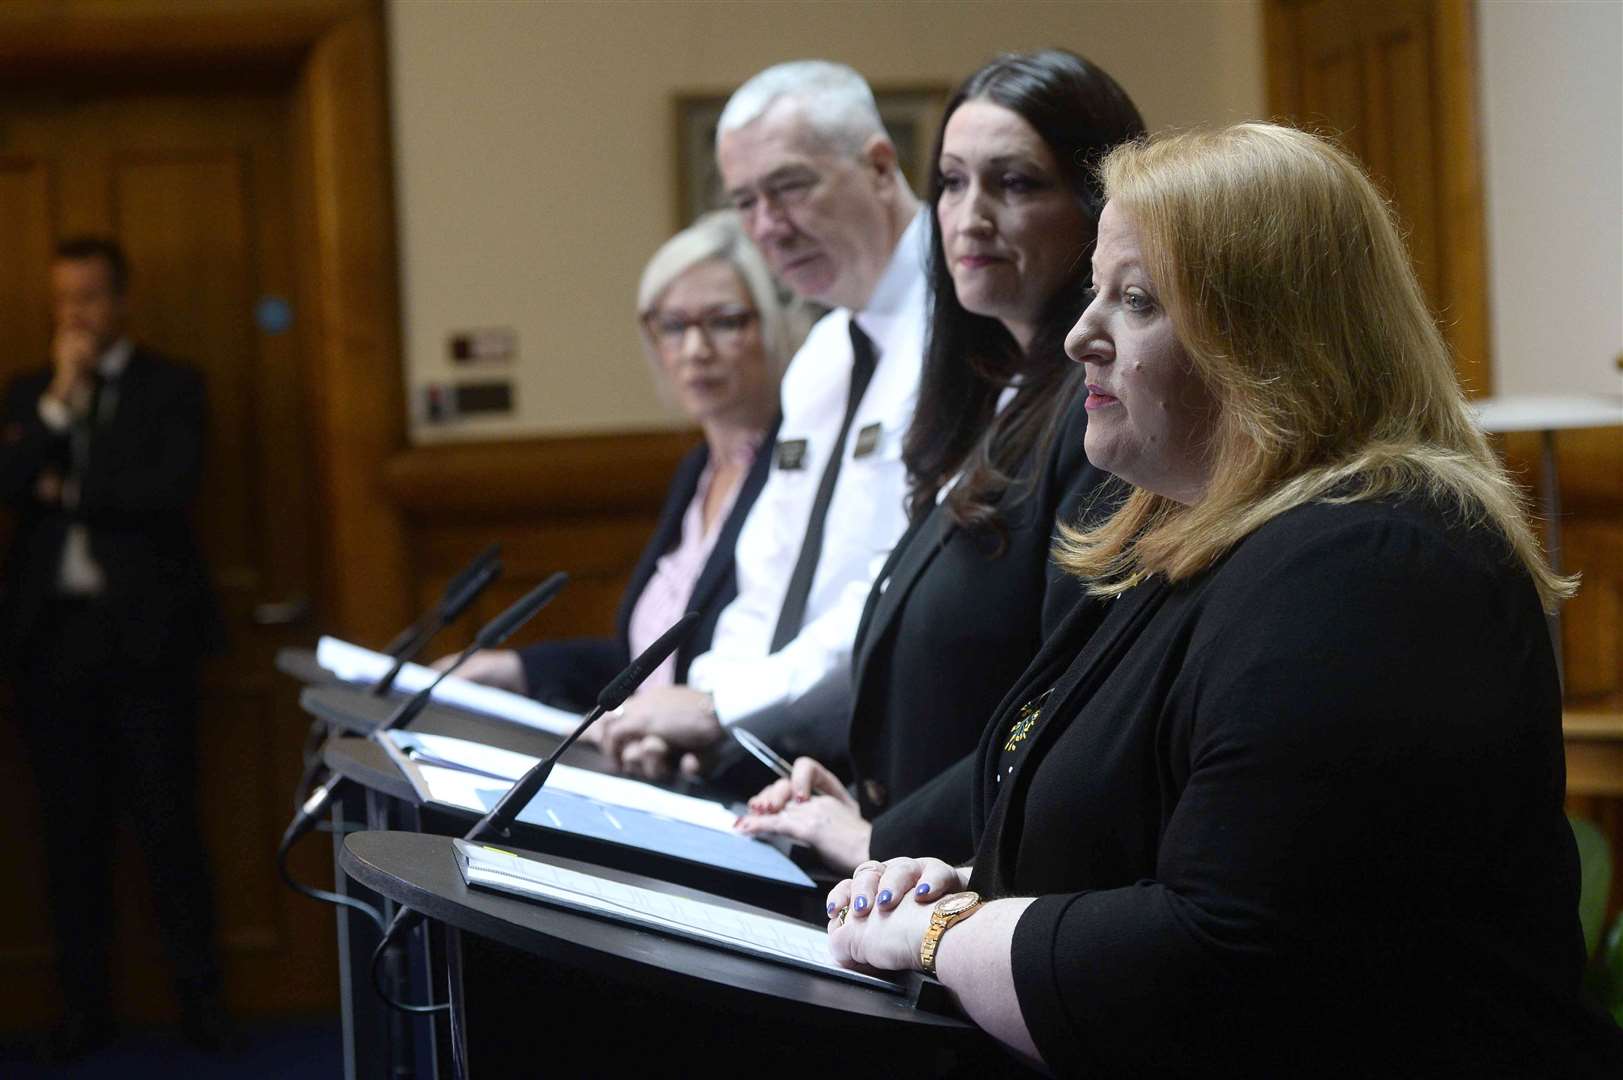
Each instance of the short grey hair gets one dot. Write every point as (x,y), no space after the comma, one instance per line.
(719,235)
(835,100)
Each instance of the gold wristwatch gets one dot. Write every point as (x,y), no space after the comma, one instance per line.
(950,910)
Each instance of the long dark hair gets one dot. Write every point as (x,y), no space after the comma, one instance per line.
(1080,112)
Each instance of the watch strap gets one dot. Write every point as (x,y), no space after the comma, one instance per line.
(940,923)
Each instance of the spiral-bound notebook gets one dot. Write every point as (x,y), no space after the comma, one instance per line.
(762,935)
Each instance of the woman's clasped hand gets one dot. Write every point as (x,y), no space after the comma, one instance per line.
(811,807)
(877,917)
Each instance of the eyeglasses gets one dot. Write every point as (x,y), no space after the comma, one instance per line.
(721,327)
(784,189)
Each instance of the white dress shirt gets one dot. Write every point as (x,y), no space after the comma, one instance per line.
(865,517)
(79,574)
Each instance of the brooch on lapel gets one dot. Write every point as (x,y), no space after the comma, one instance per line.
(1030,713)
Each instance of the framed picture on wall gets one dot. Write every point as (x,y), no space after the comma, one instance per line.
(911,115)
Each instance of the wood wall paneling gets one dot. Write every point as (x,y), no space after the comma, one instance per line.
(26,214)
(359,412)
(584,505)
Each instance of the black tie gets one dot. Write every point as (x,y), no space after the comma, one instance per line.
(793,614)
(80,438)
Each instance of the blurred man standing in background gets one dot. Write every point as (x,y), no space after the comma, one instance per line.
(104,619)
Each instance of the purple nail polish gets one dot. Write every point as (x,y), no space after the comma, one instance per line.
(885,897)
(861,903)
(831,909)
(924,888)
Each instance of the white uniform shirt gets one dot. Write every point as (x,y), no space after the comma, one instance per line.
(866,515)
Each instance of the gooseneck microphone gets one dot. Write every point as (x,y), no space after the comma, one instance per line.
(490,635)
(510,805)
(459,594)
(404,642)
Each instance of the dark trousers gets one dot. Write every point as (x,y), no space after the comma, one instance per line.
(108,740)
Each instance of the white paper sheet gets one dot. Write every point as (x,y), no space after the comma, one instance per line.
(766,936)
(355,664)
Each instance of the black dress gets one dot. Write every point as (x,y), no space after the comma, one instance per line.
(1301,815)
(950,624)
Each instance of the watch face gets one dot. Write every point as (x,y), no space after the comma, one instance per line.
(952,905)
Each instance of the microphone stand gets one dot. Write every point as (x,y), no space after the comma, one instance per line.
(459,594)
(507,809)
(491,635)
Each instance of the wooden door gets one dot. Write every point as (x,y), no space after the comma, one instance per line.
(1393,80)
(198,188)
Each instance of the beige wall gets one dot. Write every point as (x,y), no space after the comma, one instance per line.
(1552,125)
(535,144)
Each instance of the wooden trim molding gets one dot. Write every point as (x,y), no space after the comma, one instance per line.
(608,475)
(1461,207)
(358,410)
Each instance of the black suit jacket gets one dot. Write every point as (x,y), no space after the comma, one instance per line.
(1299,815)
(940,643)
(570,673)
(144,470)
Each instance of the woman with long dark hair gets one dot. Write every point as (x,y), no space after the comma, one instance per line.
(994,455)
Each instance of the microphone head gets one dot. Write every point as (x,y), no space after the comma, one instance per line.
(627,681)
(460,582)
(497,630)
(455,603)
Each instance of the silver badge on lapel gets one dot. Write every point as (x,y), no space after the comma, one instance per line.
(867,440)
(791,454)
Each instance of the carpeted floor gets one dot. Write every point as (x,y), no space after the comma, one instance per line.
(276,1050)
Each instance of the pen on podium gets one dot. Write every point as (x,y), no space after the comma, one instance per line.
(762,752)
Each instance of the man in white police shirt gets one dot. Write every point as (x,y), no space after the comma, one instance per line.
(806,160)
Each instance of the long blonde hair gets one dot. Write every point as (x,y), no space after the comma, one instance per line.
(1289,287)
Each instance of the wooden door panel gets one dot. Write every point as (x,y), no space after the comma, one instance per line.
(1403,129)
(182,220)
(1385,78)
(197,189)
(25,236)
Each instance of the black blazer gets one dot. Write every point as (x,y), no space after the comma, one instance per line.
(144,470)
(570,673)
(949,625)
(1301,815)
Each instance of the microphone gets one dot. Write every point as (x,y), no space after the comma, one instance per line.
(500,818)
(510,805)
(490,635)
(459,593)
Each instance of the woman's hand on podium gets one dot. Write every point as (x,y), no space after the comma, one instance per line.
(491,667)
(812,807)
(877,917)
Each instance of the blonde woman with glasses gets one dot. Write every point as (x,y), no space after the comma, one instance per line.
(717,337)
